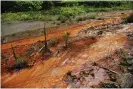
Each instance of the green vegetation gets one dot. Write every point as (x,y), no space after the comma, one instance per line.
(20,63)
(29,52)
(62,11)
(53,41)
(127,62)
(16,6)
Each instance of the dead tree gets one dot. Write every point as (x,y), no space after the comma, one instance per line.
(45,36)
(14,55)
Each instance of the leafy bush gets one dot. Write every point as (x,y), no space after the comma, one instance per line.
(17,6)
(62,18)
(55,12)
(72,11)
(12,6)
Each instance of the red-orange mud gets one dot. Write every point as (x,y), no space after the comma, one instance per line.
(82,42)
(51,72)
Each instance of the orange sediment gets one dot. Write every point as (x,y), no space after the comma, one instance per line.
(51,72)
(72,30)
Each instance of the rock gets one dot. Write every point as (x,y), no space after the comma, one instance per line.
(126,80)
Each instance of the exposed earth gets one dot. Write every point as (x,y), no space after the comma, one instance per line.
(93,57)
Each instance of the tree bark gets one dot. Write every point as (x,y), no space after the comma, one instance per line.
(14,53)
(45,35)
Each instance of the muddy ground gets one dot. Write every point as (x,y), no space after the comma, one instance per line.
(95,56)
(26,29)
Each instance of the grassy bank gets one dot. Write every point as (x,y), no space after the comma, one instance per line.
(55,14)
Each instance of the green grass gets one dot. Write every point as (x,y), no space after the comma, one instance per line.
(58,13)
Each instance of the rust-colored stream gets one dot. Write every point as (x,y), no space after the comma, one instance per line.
(73,31)
(51,72)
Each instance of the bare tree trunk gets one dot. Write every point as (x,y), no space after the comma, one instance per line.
(45,35)
(14,53)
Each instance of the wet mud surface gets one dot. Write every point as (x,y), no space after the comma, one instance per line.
(85,63)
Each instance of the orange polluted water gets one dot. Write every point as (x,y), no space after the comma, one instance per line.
(51,73)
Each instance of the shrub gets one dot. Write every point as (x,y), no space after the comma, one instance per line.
(62,18)
(20,63)
(53,41)
(72,11)
(15,6)
(91,17)
(29,52)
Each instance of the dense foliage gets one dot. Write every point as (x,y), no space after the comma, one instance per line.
(56,10)
(17,6)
